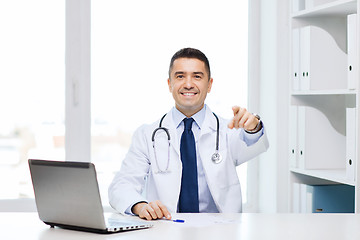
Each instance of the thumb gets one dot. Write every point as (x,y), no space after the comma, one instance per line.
(231,124)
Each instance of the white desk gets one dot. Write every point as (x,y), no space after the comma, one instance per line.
(232,226)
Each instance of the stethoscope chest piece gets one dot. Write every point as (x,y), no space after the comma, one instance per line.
(216,158)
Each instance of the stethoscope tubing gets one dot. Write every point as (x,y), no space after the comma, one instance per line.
(168,134)
(216,157)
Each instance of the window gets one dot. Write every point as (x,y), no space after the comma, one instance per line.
(131,46)
(32,89)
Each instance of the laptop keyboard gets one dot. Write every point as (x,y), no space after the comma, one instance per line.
(125,225)
(113,222)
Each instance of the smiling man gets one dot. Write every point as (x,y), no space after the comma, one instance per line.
(189,82)
(186,161)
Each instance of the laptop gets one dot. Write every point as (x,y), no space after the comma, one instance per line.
(67,196)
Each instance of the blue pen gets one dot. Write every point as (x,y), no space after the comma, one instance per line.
(178,220)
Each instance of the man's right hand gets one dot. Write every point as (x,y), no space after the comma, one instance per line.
(152,210)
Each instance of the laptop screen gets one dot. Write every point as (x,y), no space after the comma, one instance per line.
(67,193)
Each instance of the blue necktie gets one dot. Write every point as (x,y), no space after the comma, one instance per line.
(189,196)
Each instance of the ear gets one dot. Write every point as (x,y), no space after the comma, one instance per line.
(169,84)
(210,84)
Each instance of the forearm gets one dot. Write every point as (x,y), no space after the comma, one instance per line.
(243,150)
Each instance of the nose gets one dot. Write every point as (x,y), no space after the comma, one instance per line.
(188,82)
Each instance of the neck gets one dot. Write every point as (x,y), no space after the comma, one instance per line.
(189,112)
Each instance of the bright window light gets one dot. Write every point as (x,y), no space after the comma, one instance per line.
(32,91)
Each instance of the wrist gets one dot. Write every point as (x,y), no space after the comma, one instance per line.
(257,128)
(136,208)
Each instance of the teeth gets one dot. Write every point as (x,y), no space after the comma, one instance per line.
(188,94)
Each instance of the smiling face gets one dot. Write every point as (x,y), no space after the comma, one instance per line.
(189,84)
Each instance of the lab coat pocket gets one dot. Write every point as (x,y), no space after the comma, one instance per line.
(229,198)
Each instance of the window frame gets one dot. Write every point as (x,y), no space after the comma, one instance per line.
(78,80)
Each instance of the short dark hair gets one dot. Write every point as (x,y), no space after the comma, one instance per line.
(191,53)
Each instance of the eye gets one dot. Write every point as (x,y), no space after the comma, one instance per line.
(198,76)
(180,76)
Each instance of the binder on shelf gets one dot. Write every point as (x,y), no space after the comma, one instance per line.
(322,62)
(313,3)
(306,199)
(316,141)
(309,4)
(332,198)
(296,199)
(295,59)
(301,136)
(352,70)
(293,150)
(350,143)
(298,5)
(305,58)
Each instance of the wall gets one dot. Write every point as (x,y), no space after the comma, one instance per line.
(268,93)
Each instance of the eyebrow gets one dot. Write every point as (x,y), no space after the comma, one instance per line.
(177,73)
(201,73)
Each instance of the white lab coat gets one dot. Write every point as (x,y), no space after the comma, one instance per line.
(138,181)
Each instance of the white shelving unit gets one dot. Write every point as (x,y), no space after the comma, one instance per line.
(324,96)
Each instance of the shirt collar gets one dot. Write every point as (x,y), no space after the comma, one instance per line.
(198,117)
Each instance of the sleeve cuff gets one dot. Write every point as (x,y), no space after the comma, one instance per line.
(251,138)
(128,210)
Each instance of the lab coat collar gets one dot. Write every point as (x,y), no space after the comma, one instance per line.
(205,119)
(198,117)
(209,124)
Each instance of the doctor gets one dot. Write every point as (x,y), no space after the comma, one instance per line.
(169,167)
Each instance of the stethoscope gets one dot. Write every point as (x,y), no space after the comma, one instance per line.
(215,158)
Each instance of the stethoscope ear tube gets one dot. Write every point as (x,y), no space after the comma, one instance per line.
(153,141)
(160,128)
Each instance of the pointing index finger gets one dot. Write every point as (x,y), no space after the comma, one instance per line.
(235,110)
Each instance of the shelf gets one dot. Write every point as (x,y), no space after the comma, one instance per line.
(331,103)
(323,110)
(332,17)
(336,8)
(330,175)
(324,92)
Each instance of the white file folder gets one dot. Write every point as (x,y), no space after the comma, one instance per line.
(317,139)
(296,198)
(305,61)
(295,59)
(323,65)
(350,143)
(301,136)
(298,5)
(293,149)
(352,52)
(314,3)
